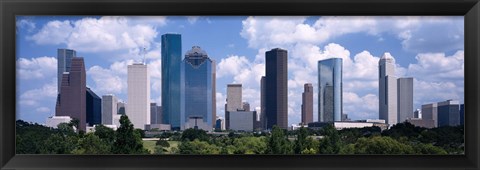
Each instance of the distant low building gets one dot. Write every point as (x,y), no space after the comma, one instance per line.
(426,123)
(54,121)
(160,127)
(350,124)
(242,120)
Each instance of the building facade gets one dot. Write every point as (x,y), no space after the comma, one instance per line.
(54,121)
(155,114)
(448,113)
(387,89)
(171,70)
(405,99)
(330,100)
(307,104)
(242,120)
(109,108)
(94,108)
(276,95)
(262,113)
(234,101)
(72,98)
(138,94)
(430,112)
(196,90)
(462,114)
(64,63)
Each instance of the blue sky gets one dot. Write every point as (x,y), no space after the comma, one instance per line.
(429,49)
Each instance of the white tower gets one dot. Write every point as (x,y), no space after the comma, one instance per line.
(387,89)
(138,103)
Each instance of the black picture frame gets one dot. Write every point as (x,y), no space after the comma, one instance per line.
(10,8)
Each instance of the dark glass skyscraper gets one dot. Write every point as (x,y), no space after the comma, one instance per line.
(276,96)
(197,89)
(330,90)
(94,108)
(171,68)
(72,99)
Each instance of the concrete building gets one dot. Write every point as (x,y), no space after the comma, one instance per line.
(155,114)
(448,113)
(426,123)
(276,95)
(387,89)
(72,98)
(242,120)
(116,120)
(138,103)
(171,74)
(404,99)
(109,108)
(430,112)
(94,108)
(330,107)
(234,101)
(220,124)
(196,89)
(307,104)
(121,108)
(54,121)
(417,113)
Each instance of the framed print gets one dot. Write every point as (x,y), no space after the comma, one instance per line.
(251,84)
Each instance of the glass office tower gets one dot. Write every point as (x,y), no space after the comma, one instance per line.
(64,63)
(94,108)
(171,68)
(196,90)
(330,90)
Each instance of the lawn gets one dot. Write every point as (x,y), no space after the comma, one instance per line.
(150,145)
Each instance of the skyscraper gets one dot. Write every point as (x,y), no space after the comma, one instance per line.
(387,89)
(214,93)
(171,70)
(196,93)
(138,103)
(64,63)
(276,96)
(109,108)
(330,102)
(155,114)
(72,99)
(307,104)
(430,112)
(94,108)
(234,101)
(263,117)
(405,98)
(448,113)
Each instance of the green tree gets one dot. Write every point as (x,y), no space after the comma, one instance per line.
(381,145)
(330,143)
(250,145)
(162,143)
(105,133)
(303,143)
(192,134)
(278,142)
(198,147)
(92,144)
(128,141)
(421,148)
(58,144)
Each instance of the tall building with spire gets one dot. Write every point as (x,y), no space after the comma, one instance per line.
(138,95)
(387,89)
(171,73)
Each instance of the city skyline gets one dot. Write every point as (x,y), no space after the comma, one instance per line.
(245,69)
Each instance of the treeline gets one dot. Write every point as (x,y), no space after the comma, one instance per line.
(38,139)
(403,138)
